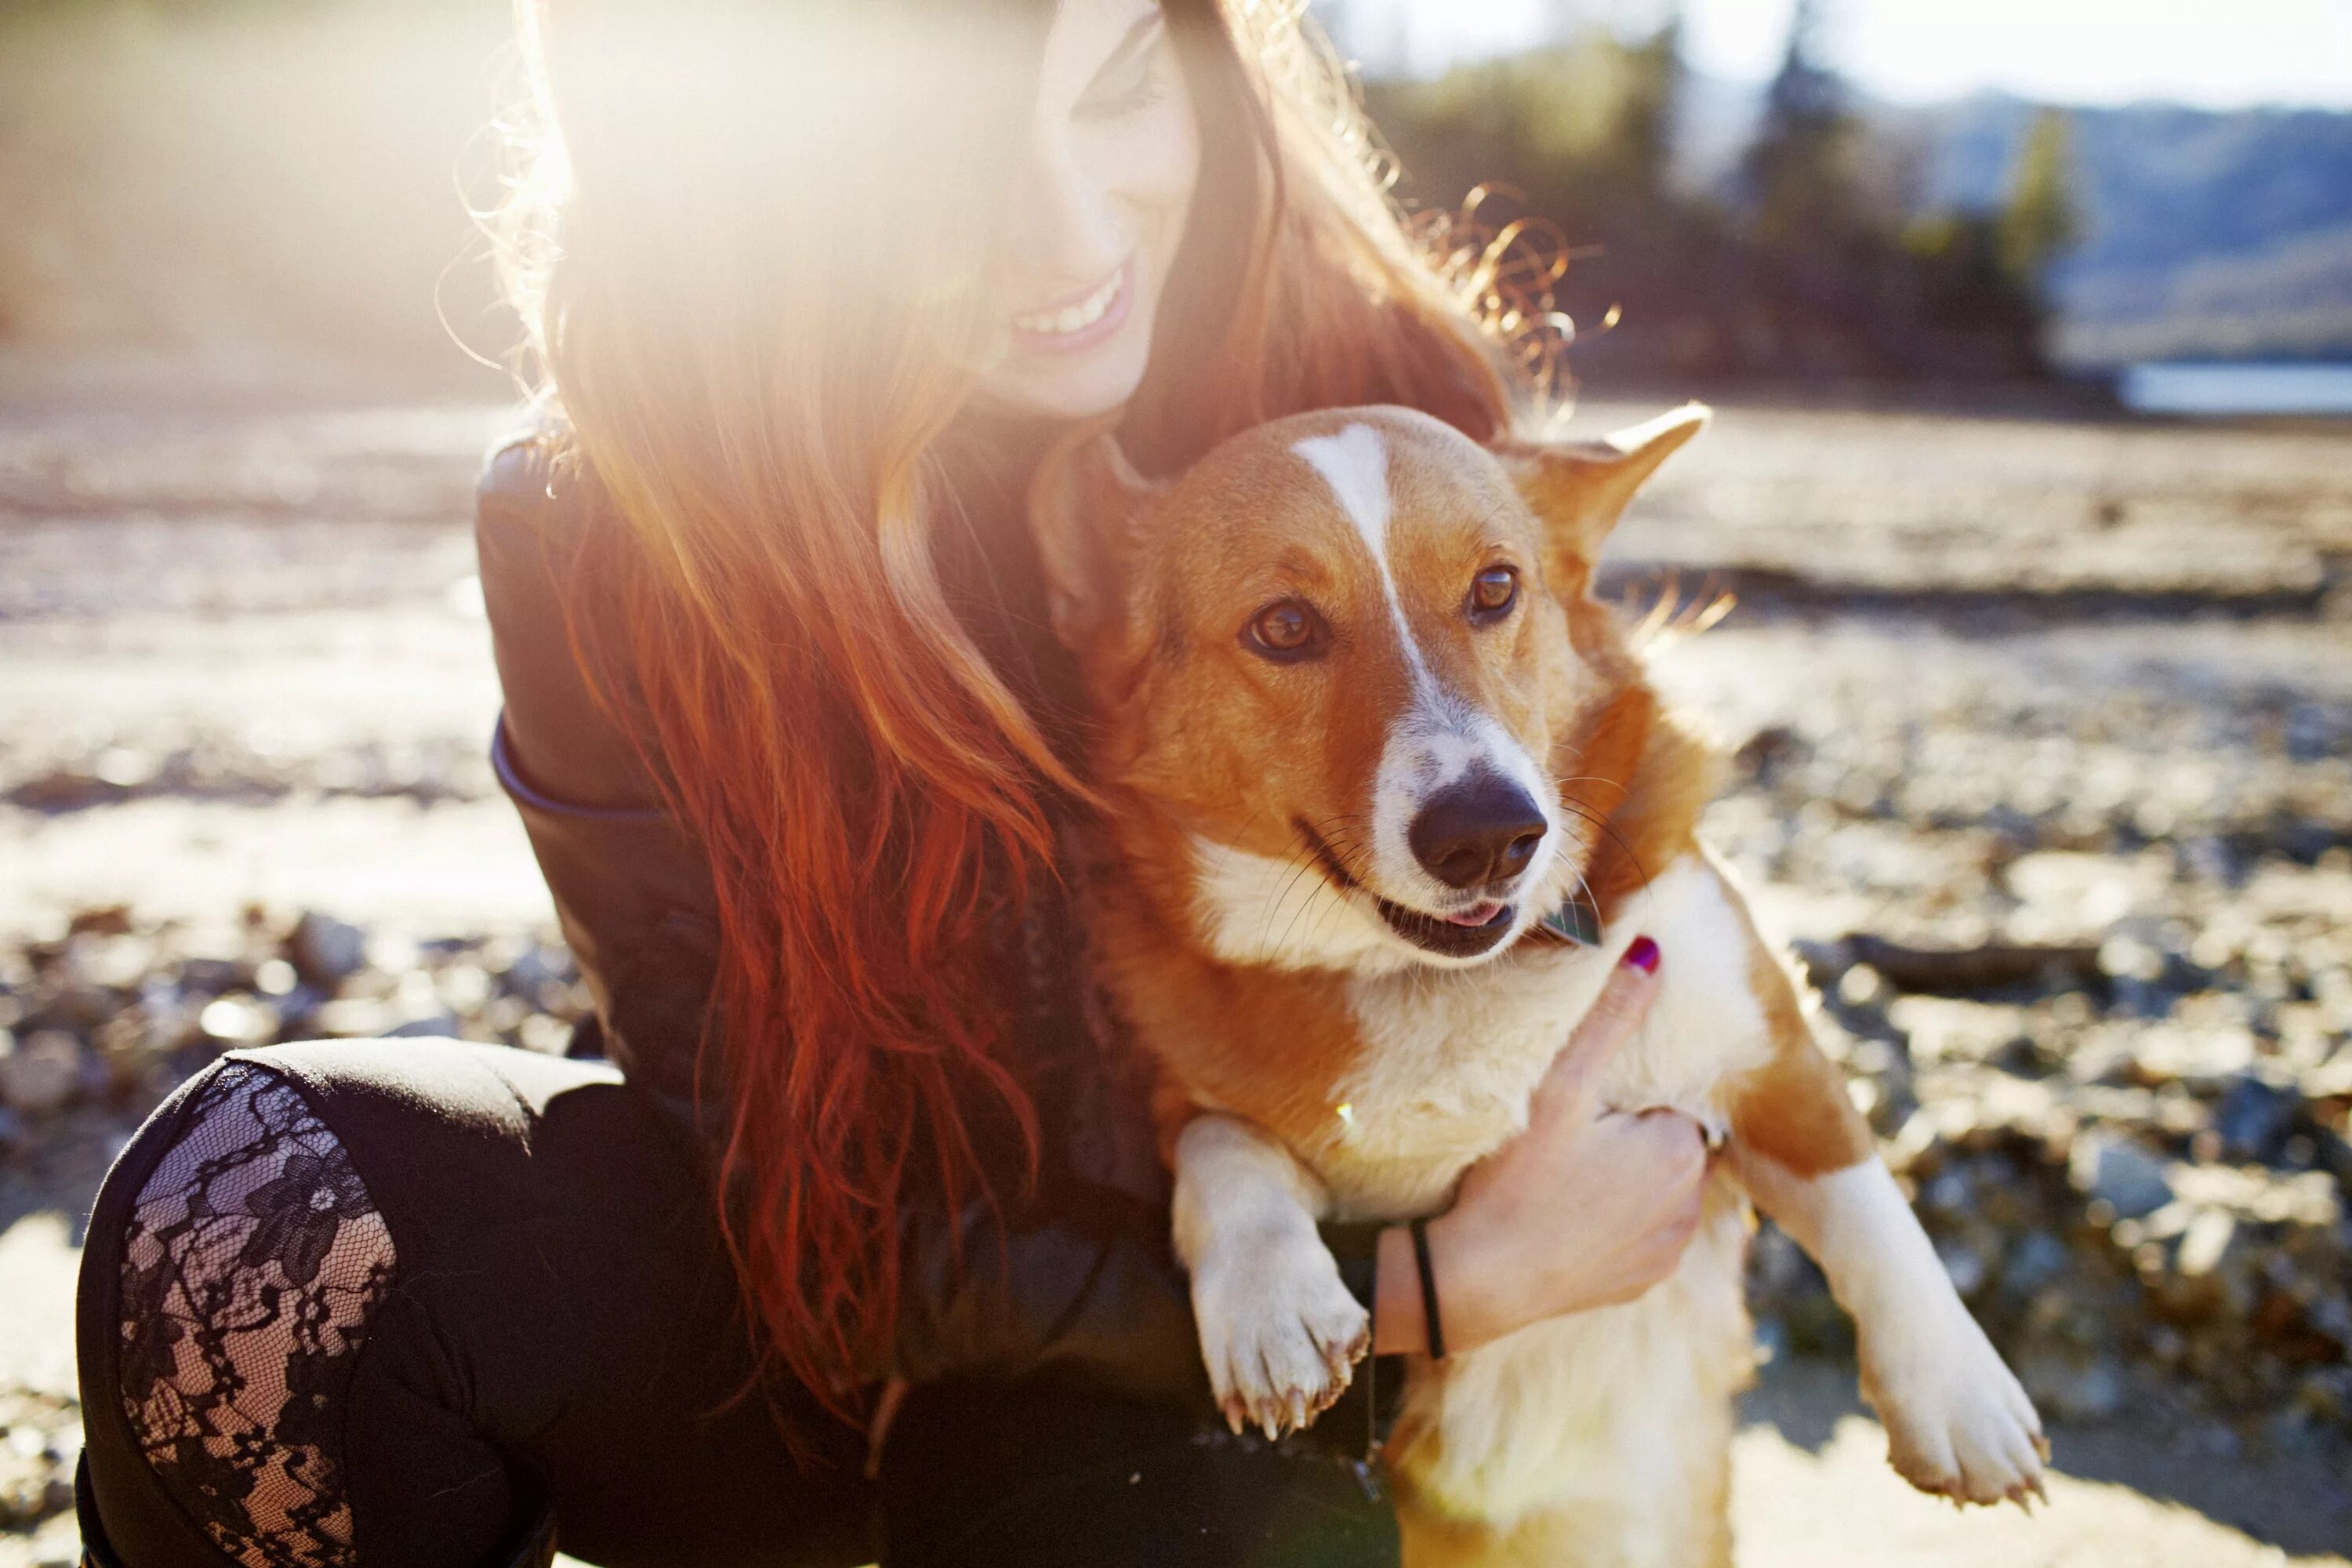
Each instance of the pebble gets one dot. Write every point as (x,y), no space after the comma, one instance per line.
(115,1013)
(2120,1175)
(2127,1132)
(2254,1116)
(237,1021)
(40,1072)
(2066,1388)
(325,950)
(40,1436)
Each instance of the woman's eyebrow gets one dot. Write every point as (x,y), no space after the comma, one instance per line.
(1139,36)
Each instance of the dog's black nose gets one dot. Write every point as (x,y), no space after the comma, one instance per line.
(1476,831)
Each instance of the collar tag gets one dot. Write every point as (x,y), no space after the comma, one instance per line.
(1575,922)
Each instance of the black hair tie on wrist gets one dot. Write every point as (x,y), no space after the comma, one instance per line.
(1420,1228)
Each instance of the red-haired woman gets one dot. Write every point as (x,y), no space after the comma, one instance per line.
(812,285)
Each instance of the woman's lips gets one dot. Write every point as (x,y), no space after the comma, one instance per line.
(1082,321)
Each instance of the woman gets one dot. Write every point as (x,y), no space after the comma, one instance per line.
(812,285)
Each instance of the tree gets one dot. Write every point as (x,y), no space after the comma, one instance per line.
(1816,269)
(1648,118)
(2041,219)
(1799,173)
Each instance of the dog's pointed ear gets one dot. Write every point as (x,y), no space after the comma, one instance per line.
(1087,504)
(1579,489)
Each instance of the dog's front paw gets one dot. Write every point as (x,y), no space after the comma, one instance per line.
(1957,1422)
(1280,1333)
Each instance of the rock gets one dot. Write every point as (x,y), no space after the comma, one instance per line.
(65,789)
(1769,754)
(2312,734)
(2206,1241)
(2035,1259)
(239,1021)
(212,976)
(2115,1171)
(1864,986)
(1986,966)
(549,1036)
(538,974)
(41,1073)
(110,920)
(327,950)
(36,1441)
(354,1018)
(28,1491)
(463,987)
(2072,1388)
(2254,1116)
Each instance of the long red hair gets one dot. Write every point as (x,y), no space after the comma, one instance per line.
(751,299)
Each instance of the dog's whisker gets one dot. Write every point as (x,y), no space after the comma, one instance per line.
(1303,867)
(1306,863)
(1328,904)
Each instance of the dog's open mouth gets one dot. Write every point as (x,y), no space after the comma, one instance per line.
(1466,934)
(1457,936)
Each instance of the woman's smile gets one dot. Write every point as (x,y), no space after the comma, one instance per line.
(1082,321)
(1095,212)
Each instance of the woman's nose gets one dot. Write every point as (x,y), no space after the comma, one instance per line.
(1065,230)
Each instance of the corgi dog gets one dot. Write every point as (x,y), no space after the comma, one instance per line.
(1387,796)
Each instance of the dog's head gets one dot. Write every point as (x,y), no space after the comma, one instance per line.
(1344,671)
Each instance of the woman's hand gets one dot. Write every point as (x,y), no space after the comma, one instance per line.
(1583,1209)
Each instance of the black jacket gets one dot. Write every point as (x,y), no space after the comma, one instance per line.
(1083,1284)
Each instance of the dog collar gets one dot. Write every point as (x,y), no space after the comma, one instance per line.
(1576,922)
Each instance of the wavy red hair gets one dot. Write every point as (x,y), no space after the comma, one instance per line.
(749,301)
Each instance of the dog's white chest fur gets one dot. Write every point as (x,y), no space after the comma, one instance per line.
(1451,1058)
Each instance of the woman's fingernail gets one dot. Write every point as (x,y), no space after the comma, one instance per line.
(1643,955)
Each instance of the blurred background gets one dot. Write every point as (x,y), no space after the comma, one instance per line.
(1814,190)
(2030,327)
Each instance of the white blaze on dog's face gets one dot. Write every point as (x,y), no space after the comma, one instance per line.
(1333,662)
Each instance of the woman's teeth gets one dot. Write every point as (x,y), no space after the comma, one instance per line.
(1074,318)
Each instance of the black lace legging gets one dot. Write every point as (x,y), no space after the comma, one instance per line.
(433,1304)
(252,1267)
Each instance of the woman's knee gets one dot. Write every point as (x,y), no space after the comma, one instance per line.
(246,1272)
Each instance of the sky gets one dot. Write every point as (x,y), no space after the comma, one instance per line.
(2212,53)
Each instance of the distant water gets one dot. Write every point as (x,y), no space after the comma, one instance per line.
(2224,389)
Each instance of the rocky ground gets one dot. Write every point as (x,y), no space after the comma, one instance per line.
(2044,733)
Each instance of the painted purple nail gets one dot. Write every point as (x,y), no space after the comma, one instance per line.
(1643,955)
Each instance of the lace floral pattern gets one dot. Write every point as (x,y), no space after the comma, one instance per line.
(252,1267)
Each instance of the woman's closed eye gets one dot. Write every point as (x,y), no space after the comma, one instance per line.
(1133,86)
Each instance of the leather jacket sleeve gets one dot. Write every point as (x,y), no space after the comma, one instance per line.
(1081,1284)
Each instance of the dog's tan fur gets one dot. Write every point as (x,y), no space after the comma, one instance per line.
(1314,1062)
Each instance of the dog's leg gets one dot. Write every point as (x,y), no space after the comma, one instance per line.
(1956,1421)
(1281,1334)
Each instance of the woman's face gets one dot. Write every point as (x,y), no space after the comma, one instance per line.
(1110,158)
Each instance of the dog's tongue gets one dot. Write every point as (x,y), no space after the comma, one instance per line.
(1477,914)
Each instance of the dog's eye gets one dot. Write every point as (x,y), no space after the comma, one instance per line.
(1492,592)
(1286,629)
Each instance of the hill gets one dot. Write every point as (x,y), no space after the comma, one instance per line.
(2205,233)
